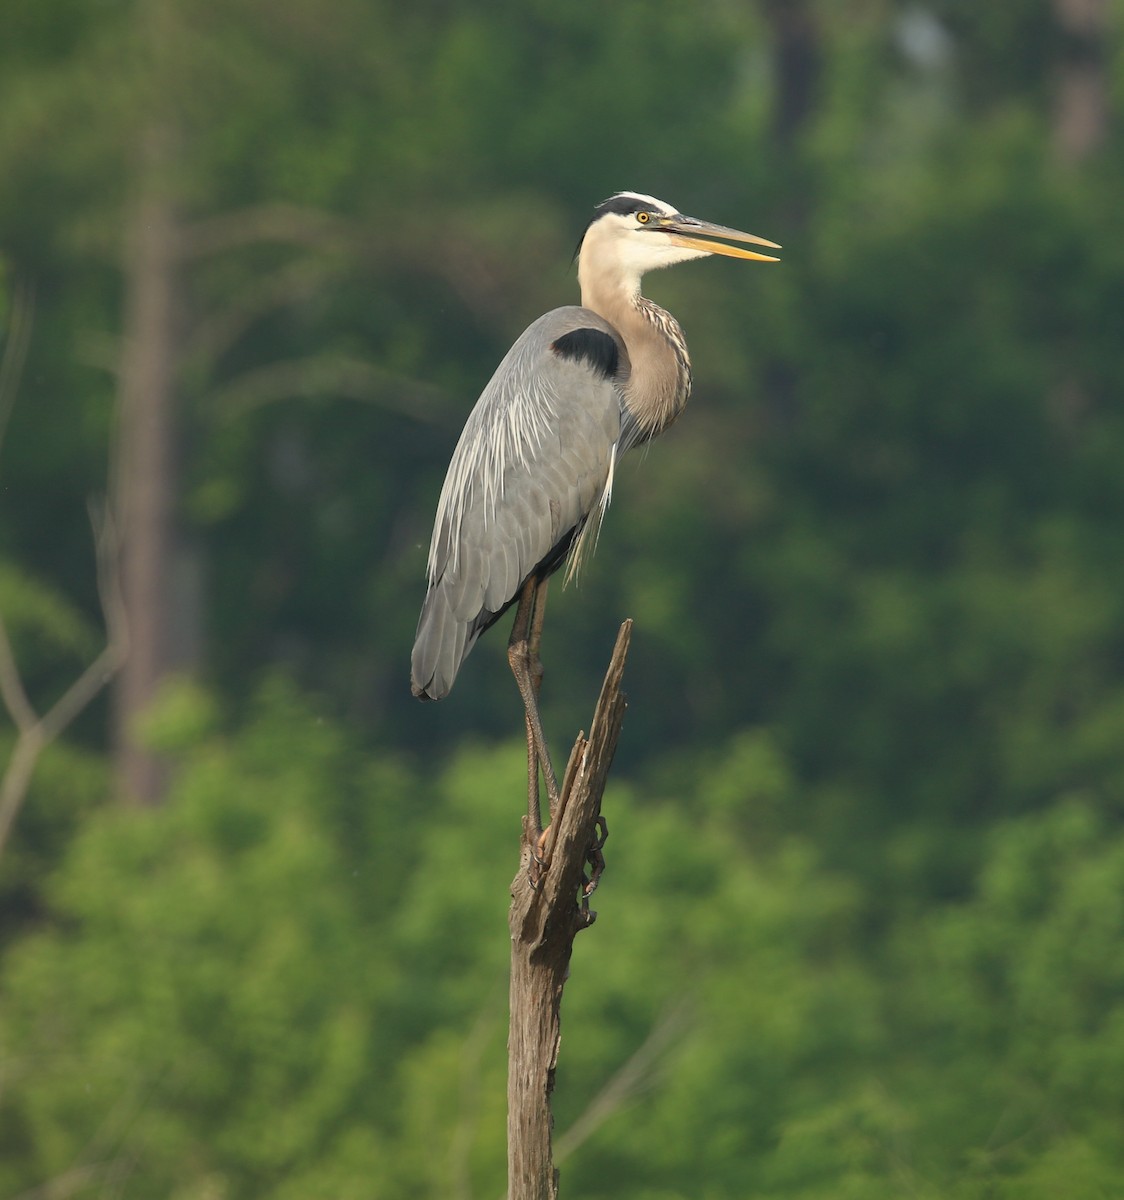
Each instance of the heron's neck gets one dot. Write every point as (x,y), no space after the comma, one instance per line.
(659,381)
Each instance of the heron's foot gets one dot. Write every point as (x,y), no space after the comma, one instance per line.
(595,861)
(541,853)
(539,859)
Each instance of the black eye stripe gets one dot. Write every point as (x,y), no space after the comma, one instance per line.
(624,206)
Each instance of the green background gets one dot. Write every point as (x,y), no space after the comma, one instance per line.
(862,928)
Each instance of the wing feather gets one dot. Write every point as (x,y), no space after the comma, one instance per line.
(532,463)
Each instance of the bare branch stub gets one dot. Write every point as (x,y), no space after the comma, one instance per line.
(34,732)
(544,920)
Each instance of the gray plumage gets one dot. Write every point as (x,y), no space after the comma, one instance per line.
(531,464)
(532,473)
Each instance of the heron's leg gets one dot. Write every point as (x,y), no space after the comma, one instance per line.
(518,638)
(534,641)
(534,662)
(522,655)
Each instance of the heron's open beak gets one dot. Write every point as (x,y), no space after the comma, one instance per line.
(696,235)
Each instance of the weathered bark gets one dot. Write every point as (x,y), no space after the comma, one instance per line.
(144,467)
(544,920)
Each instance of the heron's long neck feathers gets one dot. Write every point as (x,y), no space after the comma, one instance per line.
(660,379)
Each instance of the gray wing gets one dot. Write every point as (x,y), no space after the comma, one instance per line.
(534,459)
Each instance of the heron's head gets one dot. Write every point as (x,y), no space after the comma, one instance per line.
(631,233)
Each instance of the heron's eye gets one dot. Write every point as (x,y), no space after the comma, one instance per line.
(643,217)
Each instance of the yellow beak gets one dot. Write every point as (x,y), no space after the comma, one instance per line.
(697,235)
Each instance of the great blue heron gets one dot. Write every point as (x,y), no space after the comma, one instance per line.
(532,474)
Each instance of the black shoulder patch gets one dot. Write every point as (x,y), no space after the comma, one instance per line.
(594,346)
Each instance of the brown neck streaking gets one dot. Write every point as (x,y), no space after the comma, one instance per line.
(659,382)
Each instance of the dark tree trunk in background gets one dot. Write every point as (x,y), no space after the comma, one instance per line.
(1080,128)
(1081,95)
(796,65)
(144,468)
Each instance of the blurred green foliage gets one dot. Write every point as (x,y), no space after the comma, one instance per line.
(290,981)
(862,931)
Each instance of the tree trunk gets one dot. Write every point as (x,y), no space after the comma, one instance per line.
(796,66)
(144,474)
(544,921)
(1081,94)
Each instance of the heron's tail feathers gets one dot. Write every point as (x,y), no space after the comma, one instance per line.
(439,648)
(442,643)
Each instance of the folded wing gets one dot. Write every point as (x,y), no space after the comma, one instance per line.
(533,462)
